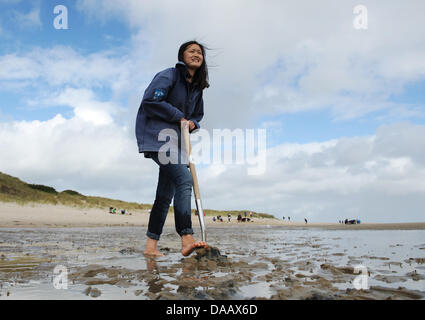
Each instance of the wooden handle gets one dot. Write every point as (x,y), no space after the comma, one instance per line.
(185,130)
(195,181)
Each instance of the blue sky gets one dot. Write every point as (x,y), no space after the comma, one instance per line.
(101,35)
(299,70)
(84,34)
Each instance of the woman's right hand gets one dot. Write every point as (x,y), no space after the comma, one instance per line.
(185,122)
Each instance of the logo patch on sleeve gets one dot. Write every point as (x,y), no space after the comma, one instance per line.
(159,94)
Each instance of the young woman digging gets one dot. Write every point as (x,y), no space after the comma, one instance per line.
(172,100)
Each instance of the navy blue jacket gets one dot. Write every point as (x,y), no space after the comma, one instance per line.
(167,99)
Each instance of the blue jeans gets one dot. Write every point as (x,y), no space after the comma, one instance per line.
(175,181)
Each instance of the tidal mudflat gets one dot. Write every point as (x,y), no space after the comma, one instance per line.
(256,262)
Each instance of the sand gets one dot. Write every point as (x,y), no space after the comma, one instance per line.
(38,216)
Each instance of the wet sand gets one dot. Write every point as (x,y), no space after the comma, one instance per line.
(261,262)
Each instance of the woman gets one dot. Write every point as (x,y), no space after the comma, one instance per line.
(172,100)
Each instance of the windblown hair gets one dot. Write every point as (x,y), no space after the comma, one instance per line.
(200,78)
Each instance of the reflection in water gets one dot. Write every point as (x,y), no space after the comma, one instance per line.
(151,264)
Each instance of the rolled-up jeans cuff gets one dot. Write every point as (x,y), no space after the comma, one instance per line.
(186,231)
(153,236)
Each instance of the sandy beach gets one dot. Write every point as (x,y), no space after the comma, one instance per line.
(38,216)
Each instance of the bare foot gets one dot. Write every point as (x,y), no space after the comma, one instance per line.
(151,249)
(189,244)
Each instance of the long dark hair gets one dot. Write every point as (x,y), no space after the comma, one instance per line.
(200,78)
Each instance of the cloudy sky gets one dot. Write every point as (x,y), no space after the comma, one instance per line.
(343,107)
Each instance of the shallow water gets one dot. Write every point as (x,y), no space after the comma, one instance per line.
(262,262)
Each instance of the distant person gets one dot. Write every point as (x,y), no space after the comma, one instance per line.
(346,221)
(283,218)
(289,218)
(229,216)
(239,217)
(213,219)
(305,220)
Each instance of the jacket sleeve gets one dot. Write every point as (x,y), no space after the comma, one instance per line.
(198,113)
(154,100)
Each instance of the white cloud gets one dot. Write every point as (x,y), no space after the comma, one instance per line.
(60,65)
(377,178)
(41,74)
(284,56)
(85,106)
(380,178)
(80,153)
(27,20)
